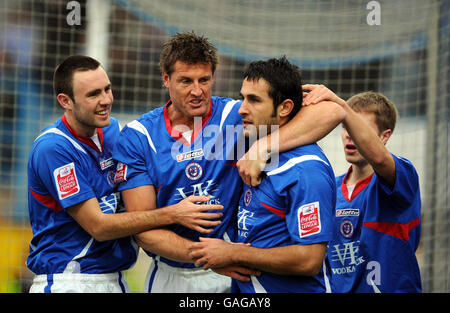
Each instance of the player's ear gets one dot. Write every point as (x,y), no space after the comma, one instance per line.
(285,108)
(385,135)
(64,100)
(166,78)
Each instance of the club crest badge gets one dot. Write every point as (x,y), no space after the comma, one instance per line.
(346,228)
(193,171)
(248,197)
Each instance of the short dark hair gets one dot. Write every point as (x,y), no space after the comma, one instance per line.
(63,76)
(188,48)
(284,80)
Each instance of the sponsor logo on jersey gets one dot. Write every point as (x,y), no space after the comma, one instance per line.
(309,219)
(193,171)
(121,173)
(189,155)
(106,163)
(345,257)
(207,188)
(246,220)
(66,180)
(110,203)
(347,212)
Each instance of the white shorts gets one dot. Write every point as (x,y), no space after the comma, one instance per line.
(79,283)
(165,278)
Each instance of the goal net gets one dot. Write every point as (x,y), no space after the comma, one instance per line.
(396,47)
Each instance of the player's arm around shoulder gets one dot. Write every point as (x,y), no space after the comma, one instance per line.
(102,226)
(369,143)
(309,125)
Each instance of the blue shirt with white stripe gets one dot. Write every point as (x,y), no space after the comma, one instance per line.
(293,205)
(152,153)
(63,170)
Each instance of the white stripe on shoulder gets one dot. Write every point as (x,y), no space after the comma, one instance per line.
(59,132)
(291,162)
(141,128)
(227,110)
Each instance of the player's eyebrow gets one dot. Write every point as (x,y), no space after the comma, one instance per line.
(250,97)
(97,91)
(253,97)
(203,78)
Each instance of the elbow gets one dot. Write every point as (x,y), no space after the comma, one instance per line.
(381,160)
(312,259)
(338,113)
(377,161)
(99,233)
(310,268)
(141,243)
(332,113)
(314,268)
(147,240)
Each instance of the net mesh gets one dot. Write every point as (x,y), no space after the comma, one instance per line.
(399,48)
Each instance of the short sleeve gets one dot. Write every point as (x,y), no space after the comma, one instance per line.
(132,151)
(62,171)
(406,185)
(311,199)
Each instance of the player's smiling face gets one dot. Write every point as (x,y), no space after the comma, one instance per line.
(190,91)
(93,98)
(257,107)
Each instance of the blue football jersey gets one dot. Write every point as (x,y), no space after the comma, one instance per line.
(377,231)
(63,170)
(293,205)
(150,152)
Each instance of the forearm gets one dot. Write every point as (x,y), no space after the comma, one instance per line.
(287,260)
(370,144)
(364,137)
(311,124)
(165,243)
(113,226)
(104,226)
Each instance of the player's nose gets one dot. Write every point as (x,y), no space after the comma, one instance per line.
(243,110)
(196,90)
(107,98)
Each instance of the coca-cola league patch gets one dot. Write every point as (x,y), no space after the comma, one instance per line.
(309,219)
(66,181)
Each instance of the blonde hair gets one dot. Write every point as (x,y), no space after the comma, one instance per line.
(375,102)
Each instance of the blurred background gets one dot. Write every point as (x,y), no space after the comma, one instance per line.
(397,47)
